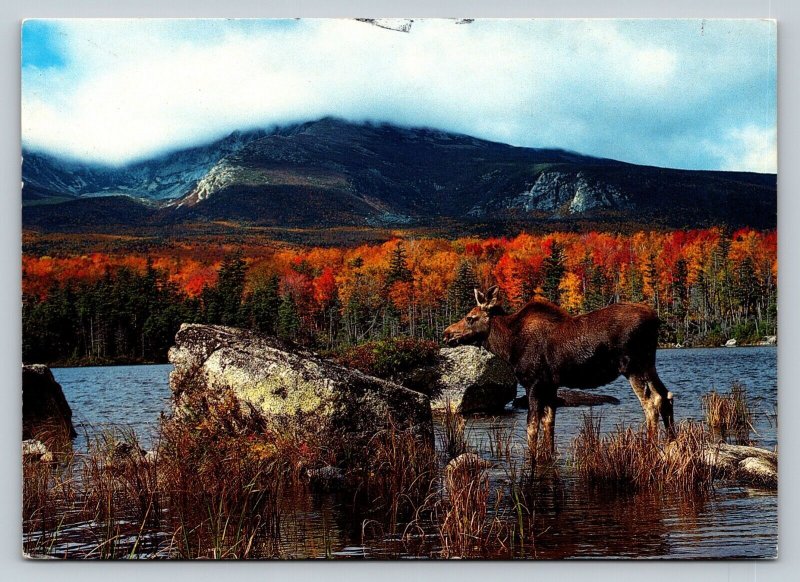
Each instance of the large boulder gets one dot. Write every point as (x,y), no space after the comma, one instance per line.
(275,385)
(45,411)
(472,379)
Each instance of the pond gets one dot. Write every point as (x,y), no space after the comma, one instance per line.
(572,520)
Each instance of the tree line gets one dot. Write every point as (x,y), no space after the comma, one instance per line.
(707,286)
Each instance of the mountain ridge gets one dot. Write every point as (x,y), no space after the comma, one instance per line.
(331,172)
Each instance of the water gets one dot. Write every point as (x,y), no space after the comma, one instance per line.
(689,374)
(109,396)
(573,521)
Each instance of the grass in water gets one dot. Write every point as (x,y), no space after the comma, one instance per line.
(728,414)
(453,437)
(628,459)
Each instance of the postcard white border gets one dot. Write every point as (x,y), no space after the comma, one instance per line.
(787,12)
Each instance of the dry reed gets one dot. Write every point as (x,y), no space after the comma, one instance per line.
(453,439)
(399,474)
(628,459)
(728,413)
(467,520)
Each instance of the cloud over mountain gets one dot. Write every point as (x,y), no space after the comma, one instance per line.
(686,94)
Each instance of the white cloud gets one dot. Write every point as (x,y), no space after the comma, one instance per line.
(613,88)
(749,148)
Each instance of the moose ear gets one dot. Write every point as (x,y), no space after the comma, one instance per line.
(480,298)
(492,295)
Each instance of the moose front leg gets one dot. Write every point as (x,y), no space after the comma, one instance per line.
(549,426)
(665,401)
(541,411)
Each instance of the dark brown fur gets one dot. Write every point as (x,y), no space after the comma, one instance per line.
(549,348)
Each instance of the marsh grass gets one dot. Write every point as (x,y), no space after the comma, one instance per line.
(49,487)
(465,528)
(520,486)
(203,493)
(728,414)
(628,459)
(231,491)
(398,476)
(49,492)
(453,440)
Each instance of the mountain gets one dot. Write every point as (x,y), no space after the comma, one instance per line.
(168,176)
(331,173)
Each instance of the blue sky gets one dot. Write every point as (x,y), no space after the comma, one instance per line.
(679,93)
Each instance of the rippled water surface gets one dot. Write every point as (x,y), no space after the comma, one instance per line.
(573,521)
(112,395)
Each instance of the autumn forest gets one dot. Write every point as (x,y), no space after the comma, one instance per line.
(707,285)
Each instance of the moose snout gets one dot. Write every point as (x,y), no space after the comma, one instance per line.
(451,334)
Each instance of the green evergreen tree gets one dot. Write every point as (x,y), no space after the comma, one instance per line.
(461,294)
(288,319)
(747,288)
(635,284)
(680,296)
(263,307)
(553,272)
(223,302)
(594,297)
(398,267)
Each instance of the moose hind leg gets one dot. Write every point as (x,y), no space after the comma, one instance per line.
(646,398)
(549,424)
(665,400)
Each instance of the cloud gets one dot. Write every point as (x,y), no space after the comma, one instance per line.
(749,147)
(642,91)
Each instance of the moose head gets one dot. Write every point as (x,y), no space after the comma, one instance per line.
(473,329)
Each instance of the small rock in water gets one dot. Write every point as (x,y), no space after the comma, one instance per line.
(744,464)
(35,450)
(759,471)
(464,470)
(326,477)
(44,406)
(571,398)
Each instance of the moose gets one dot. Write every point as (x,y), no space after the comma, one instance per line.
(548,348)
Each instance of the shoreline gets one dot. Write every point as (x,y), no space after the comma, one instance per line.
(111,364)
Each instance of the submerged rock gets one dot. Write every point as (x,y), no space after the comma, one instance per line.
(44,408)
(473,379)
(749,465)
(326,478)
(274,385)
(119,456)
(568,398)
